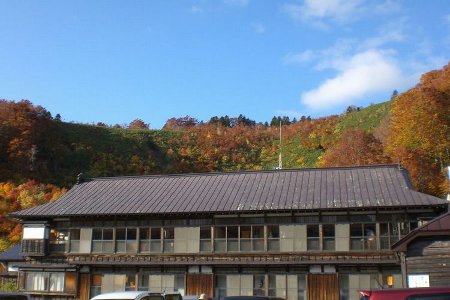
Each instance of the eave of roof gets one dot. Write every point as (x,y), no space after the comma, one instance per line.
(439,226)
(12,254)
(364,187)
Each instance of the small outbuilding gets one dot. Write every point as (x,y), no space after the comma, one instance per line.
(425,254)
(8,264)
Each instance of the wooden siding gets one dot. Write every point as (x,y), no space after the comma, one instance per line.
(323,287)
(84,287)
(197,284)
(430,256)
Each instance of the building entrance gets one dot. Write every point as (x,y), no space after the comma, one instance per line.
(323,287)
(199,283)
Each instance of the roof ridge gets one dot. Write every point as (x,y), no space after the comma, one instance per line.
(217,173)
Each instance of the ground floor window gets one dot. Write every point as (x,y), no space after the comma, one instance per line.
(350,284)
(47,282)
(287,286)
(135,280)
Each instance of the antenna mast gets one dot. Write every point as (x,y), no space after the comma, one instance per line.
(280,161)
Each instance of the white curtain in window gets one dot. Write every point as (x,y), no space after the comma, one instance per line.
(36,281)
(57,282)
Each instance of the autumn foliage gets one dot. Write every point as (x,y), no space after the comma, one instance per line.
(419,131)
(411,129)
(16,197)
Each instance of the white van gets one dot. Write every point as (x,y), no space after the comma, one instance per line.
(130,295)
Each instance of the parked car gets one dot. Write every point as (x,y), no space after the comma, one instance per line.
(130,295)
(431,293)
(14,296)
(190,297)
(172,296)
(251,298)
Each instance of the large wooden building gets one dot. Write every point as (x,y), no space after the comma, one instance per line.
(297,234)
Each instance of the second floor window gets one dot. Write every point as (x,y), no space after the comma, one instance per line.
(103,240)
(126,240)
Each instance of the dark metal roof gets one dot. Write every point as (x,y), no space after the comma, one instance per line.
(12,254)
(436,227)
(276,190)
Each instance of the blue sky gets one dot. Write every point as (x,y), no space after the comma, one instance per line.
(115,61)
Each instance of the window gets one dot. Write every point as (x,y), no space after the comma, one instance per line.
(150,240)
(75,237)
(232,238)
(102,240)
(126,240)
(45,281)
(58,240)
(96,285)
(168,239)
(251,238)
(258,238)
(328,233)
(313,237)
(259,285)
(205,239)
(388,235)
(130,282)
(273,238)
(287,286)
(363,237)
(220,239)
(246,238)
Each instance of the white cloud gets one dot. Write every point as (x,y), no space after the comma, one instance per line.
(258,28)
(315,11)
(359,75)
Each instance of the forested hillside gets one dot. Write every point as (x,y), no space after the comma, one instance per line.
(41,156)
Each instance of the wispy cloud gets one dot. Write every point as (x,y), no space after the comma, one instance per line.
(236,2)
(258,28)
(196,9)
(316,11)
(447,19)
(387,7)
(394,31)
(319,13)
(302,57)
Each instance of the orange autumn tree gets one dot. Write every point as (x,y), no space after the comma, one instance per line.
(355,147)
(419,131)
(16,197)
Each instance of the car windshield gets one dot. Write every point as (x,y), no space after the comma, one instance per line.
(173,297)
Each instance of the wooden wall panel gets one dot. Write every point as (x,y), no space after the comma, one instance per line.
(84,287)
(198,283)
(323,287)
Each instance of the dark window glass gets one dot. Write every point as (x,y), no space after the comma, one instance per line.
(144,234)
(169,233)
(156,233)
(205,232)
(232,232)
(120,234)
(97,234)
(107,234)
